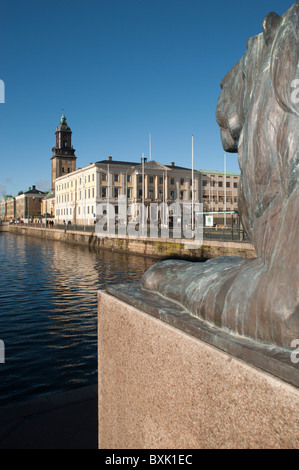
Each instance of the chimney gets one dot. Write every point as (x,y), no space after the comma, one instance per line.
(172,163)
(33,188)
(109,159)
(143,159)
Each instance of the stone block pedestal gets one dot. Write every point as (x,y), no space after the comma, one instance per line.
(163,386)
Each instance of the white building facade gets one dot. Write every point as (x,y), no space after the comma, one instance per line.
(82,197)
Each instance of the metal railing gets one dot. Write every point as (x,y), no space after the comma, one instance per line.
(225,234)
(235,234)
(76,228)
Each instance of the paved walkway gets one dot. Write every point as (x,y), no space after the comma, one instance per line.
(67,420)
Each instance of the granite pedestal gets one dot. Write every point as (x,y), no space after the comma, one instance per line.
(169,381)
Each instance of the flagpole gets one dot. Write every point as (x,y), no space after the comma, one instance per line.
(108,200)
(225,189)
(192,210)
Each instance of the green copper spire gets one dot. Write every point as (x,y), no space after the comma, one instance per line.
(63,118)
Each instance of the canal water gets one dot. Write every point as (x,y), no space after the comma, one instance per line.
(48,313)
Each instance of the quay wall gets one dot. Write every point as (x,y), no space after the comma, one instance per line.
(4,227)
(157,248)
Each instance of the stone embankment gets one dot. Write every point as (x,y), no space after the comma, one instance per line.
(4,227)
(153,247)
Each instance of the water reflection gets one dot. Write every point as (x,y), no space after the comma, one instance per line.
(48,312)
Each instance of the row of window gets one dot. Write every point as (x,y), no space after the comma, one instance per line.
(69,211)
(219,200)
(150,179)
(220,184)
(151,194)
(89,210)
(69,197)
(68,184)
(116,178)
(221,176)
(90,193)
(221,209)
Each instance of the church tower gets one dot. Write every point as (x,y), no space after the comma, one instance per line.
(63,159)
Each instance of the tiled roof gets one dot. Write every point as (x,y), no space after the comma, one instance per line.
(35,191)
(50,195)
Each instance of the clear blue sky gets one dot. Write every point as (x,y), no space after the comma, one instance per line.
(121,69)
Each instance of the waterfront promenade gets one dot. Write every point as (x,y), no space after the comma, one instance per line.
(146,246)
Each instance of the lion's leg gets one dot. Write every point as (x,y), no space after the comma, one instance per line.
(195,286)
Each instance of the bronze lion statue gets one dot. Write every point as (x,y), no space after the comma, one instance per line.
(258,116)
